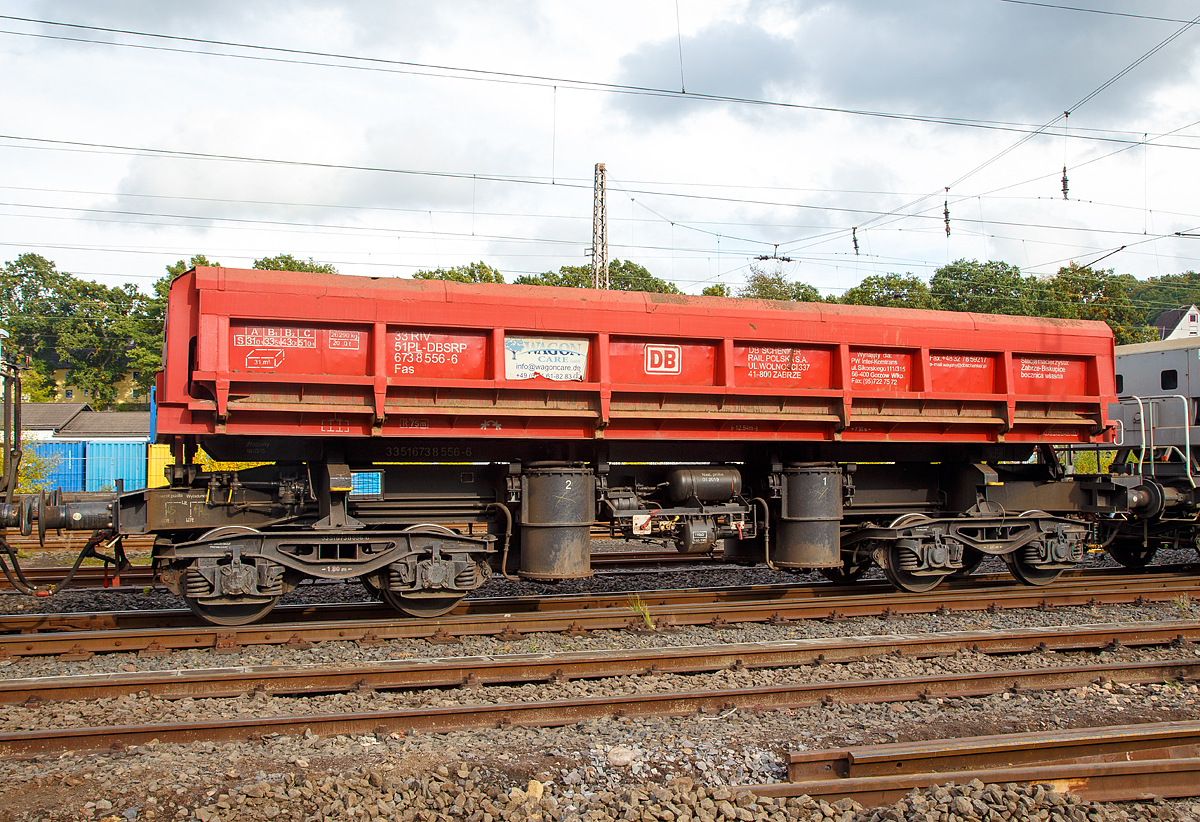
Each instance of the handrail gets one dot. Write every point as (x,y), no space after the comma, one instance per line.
(1187,431)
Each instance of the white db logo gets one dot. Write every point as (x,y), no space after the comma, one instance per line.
(663,359)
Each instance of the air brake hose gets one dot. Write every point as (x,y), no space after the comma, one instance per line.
(507,533)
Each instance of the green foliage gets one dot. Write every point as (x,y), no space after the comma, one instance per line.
(180,267)
(717,290)
(33,473)
(775,285)
(479,272)
(891,291)
(93,331)
(36,385)
(1079,292)
(1159,294)
(985,288)
(623,275)
(1085,462)
(286,262)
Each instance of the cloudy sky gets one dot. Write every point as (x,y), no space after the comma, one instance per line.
(387,137)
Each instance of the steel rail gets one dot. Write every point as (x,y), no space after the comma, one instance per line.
(1113,764)
(557,713)
(867,594)
(1097,782)
(511,618)
(1156,740)
(525,668)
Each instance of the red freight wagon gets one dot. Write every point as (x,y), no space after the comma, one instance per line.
(420,436)
(264,355)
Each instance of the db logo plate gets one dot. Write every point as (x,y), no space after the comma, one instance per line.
(663,359)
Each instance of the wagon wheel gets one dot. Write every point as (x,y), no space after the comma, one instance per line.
(971,560)
(1131,553)
(849,573)
(1026,571)
(231,610)
(424,607)
(369,581)
(894,557)
(853,567)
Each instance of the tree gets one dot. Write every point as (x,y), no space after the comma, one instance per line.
(33,296)
(985,288)
(717,290)
(1158,294)
(94,336)
(775,285)
(34,470)
(286,262)
(890,291)
(479,272)
(95,332)
(36,387)
(180,267)
(1080,292)
(623,275)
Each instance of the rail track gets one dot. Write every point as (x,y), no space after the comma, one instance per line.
(82,634)
(569,711)
(280,680)
(1112,764)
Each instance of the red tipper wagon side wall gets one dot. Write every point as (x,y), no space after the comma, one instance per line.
(289,354)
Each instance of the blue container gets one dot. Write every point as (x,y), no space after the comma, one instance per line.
(66,464)
(108,462)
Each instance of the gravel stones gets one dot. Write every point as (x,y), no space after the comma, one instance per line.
(669,769)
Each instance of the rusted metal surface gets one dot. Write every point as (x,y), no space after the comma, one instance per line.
(1159,740)
(460,717)
(30,634)
(520,668)
(1098,782)
(1030,380)
(140,575)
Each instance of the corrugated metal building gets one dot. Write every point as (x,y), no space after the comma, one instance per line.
(92,450)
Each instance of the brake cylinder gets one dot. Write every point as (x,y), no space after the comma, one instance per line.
(809,531)
(558,508)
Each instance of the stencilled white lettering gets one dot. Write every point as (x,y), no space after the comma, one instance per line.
(776,363)
(964,361)
(879,369)
(1038,369)
(419,347)
(267,336)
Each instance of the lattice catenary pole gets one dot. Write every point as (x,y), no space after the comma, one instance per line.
(599,232)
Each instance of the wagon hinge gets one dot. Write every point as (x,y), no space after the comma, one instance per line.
(1008,419)
(846,403)
(380,403)
(605,410)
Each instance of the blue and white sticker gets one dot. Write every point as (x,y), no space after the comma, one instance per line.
(554,358)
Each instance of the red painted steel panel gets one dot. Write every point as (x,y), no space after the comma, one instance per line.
(783,366)
(299,354)
(1037,374)
(658,361)
(879,370)
(955,373)
(425,353)
(298,349)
